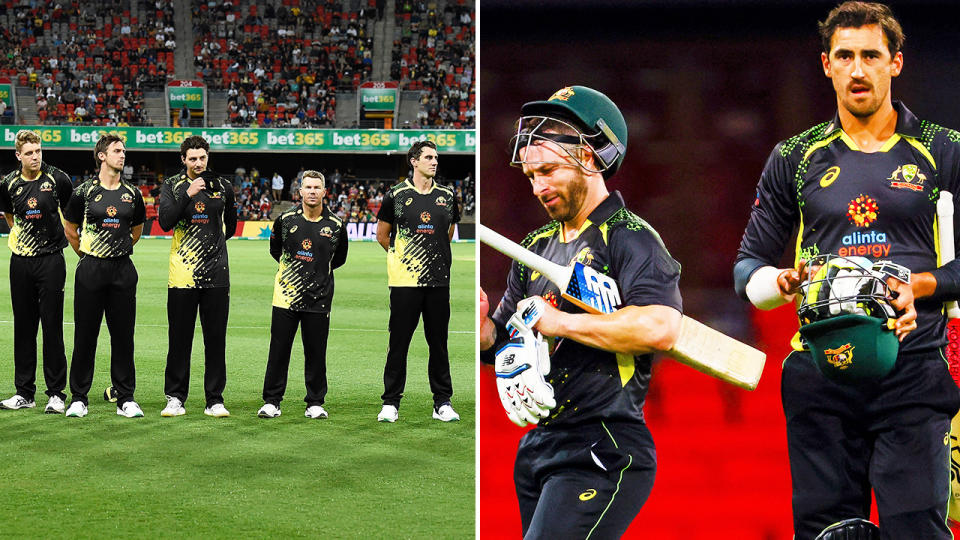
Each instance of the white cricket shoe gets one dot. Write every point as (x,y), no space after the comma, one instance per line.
(17,402)
(174,408)
(77,409)
(316,411)
(445,413)
(130,409)
(269,410)
(54,405)
(388,413)
(217,410)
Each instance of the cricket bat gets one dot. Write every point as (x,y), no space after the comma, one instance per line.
(947,254)
(698,346)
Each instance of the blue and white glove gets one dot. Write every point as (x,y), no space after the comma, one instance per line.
(520,366)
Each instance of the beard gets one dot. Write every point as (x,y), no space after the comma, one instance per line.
(571,201)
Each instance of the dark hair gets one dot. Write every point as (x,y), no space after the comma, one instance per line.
(857,14)
(103,144)
(192,143)
(417,149)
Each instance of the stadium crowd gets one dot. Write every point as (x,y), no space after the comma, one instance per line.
(88,62)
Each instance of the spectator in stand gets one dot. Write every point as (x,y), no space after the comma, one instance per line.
(277,185)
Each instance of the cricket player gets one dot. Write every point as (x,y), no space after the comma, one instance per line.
(31,198)
(589,466)
(199,206)
(102,222)
(416,223)
(309,242)
(864,183)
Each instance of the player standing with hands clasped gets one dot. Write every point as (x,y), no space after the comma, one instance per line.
(103,221)
(415,227)
(31,199)
(590,467)
(199,206)
(309,242)
(864,184)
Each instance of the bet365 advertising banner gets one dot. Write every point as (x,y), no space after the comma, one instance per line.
(252,140)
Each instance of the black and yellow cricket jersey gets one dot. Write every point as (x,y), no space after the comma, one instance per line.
(35,206)
(201,226)
(308,252)
(106,217)
(879,205)
(591,384)
(419,254)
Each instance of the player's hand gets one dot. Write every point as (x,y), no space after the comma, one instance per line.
(901,298)
(548,318)
(488,332)
(196,186)
(790,279)
(520,368)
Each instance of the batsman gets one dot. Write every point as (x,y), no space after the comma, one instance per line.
(866,392)
(589,466)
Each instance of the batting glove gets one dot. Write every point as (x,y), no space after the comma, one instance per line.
(520,367)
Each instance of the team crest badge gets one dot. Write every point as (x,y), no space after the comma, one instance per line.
(32,202)
(307,244)
(862,211)
(562,94)
(441,201)
(326,231)
(584,257)
(215,195)
(907,177)
(425,217)
(841,357)
(126,197)
(46,186)
(200,207)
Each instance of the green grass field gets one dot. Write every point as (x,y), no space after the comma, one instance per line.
(245,477)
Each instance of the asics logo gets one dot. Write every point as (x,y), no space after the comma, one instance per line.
(588,494)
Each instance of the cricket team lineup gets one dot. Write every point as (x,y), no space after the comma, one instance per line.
(102,219)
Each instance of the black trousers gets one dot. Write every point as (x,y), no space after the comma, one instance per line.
(314,328)
(588,481)
(892,435)
(406,306)
(213,305)
(36,292)
(104,287)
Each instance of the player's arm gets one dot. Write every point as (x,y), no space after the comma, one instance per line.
(72,217)
(772,218)
(276,240)
(493,332)
(8,216)
(174,199)
(229,210)
(340,256)
(630,330)
(72,232)
(63,186)
(139,217)
(383,234)
(385,218)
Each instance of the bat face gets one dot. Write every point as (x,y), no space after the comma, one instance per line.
(592,291)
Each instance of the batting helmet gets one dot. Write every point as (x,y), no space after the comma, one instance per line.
(597,120)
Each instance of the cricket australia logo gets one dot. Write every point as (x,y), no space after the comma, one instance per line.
(841,357)
(111,211)
(46,186)
(563,94)
(862,211)
(200,207)
(126,197)
(907,177)
(326,232)
(441,201)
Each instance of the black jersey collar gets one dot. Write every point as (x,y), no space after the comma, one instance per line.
(907,123)
(607,208)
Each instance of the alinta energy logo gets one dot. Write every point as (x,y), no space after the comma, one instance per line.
(862,211)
